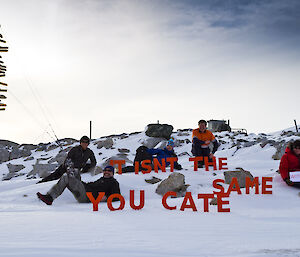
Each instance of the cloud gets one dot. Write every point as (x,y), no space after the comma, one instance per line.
(124,64)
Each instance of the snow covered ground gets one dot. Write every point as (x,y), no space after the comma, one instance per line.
(257,225)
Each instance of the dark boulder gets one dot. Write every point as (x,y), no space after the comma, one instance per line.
(159,130)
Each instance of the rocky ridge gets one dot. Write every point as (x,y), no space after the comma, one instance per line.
(33,161)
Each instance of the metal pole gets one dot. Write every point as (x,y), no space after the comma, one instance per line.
(296,126)
(90,130)
(2,72)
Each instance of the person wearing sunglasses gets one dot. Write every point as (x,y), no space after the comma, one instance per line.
(77,158)
(107,184)
(290,162)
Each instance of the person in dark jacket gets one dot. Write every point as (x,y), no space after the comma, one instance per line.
(144,153)
(202,137)
(165,153)
(77,158)
(290,162)
(107,183)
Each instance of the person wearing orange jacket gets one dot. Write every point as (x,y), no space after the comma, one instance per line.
(201,140)
(290,162)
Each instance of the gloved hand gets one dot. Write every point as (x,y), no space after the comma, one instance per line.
(68,163)
(287,180)
(69,167)
(177,166)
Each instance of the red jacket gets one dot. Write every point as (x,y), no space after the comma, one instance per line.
(289,162)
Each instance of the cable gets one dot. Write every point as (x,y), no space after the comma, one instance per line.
(30,84)
(30,114)
(36,96)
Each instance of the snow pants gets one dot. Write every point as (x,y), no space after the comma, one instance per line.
(55,175)
(73,183)
(197,150)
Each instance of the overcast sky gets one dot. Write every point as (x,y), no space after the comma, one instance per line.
(124,64)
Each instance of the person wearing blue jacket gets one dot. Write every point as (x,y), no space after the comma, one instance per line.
(165,153)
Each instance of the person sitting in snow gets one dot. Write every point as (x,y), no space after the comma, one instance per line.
(202,137)
(78,155)
(72,180)
(290,162)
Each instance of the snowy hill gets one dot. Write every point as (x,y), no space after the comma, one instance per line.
(33,161)
(257,225)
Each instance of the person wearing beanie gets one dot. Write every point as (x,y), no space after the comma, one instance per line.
(290,162)
(171,143)
(144,153)
(107,184)
(77,158)
(201,140)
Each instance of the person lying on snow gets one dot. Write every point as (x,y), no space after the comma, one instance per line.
(290,162)
(165,153)
(72,180)
(144,153)
(78,155)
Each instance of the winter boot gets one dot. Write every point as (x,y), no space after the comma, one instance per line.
(47,199)
(200,164)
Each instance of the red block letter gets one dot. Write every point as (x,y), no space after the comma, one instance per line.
(218,186)
(188,196)
(146,165)
(205,199)
(234,186)
(119,162)
(142,200)
(164,200)
(207,163)
(97,201)
(136,167)
(196,160)
(250,183)
(265,186)
(157,165)
(221,164)
(172,160)
(221,202)
(109,202)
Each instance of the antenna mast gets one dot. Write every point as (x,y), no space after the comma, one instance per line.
(3,85)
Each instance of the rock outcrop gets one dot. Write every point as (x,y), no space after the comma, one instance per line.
(175,182)
(240,174)
(159,130)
